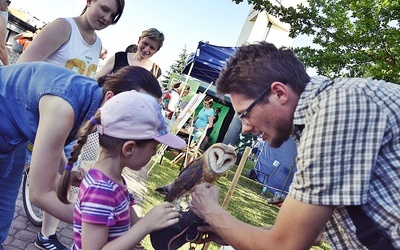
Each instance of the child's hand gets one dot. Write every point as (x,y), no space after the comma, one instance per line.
(77,177)
(138,247)
(161,216)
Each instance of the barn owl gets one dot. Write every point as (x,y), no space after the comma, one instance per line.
(214,162)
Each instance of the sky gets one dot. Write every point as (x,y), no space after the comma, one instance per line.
(183,22)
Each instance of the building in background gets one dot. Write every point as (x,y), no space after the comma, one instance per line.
(19,21)
(26,17)
(261,26)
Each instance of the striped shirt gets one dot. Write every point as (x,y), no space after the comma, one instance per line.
(349,154)
(102,201)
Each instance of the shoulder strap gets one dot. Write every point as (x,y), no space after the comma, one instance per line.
(155,69)
(120,60)
(367,233)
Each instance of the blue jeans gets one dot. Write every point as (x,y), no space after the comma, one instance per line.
(12,159)
(68,149)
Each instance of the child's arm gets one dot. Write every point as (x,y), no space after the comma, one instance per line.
(94,236)
(161,216)
(134,217)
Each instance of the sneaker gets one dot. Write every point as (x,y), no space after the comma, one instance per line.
(51,243)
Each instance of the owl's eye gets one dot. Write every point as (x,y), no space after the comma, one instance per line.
(228,161)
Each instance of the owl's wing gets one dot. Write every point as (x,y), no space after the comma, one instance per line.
(186,180)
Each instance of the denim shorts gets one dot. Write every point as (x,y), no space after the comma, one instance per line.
(67,151)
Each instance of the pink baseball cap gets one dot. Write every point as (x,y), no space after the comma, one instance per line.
(136,116)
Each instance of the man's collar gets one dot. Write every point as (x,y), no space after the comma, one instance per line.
(312,89)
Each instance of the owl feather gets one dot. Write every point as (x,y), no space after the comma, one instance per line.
(214,162)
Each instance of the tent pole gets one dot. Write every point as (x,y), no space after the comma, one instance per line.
(209,86)
(236,177)
(189,72)
(235,180)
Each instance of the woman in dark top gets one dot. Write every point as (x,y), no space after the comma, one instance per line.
(149,43)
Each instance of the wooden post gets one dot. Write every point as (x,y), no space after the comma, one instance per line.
(235,179)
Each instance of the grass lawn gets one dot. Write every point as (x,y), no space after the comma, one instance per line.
(246,203)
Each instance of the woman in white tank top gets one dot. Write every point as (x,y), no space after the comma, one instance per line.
(72,43)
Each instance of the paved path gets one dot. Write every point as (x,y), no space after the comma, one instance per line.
(22,233)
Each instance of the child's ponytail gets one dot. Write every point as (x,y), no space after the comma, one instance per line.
(64,183)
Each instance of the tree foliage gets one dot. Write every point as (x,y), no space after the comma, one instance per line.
(178,66)
(351,38)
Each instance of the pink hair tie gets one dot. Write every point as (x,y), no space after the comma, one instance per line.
(68,167)
(94,120)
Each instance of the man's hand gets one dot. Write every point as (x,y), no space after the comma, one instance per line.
(319,240)
(205,200)
(211,235)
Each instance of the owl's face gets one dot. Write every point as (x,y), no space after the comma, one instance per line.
(220,157)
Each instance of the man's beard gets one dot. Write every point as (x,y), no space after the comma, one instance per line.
(283,133)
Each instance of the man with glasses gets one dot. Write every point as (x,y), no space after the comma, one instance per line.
(347,183)
(3,31)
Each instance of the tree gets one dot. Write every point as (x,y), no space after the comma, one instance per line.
(178,65)
(352,38)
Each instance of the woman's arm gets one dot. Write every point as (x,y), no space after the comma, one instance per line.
(210,121)
(18,36)
(106,69)
(55,124)
(46,42)
(3,49)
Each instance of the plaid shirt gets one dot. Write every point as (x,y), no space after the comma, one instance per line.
(349,154)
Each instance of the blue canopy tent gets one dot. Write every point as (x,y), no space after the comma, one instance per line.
(276,166)
(208,60)
(205,64)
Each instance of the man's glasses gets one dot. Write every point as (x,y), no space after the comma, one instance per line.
(242,116)
(9,2)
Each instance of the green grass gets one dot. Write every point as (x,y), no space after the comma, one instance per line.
(246,203)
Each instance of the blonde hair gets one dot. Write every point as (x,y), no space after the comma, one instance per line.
(155,35)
